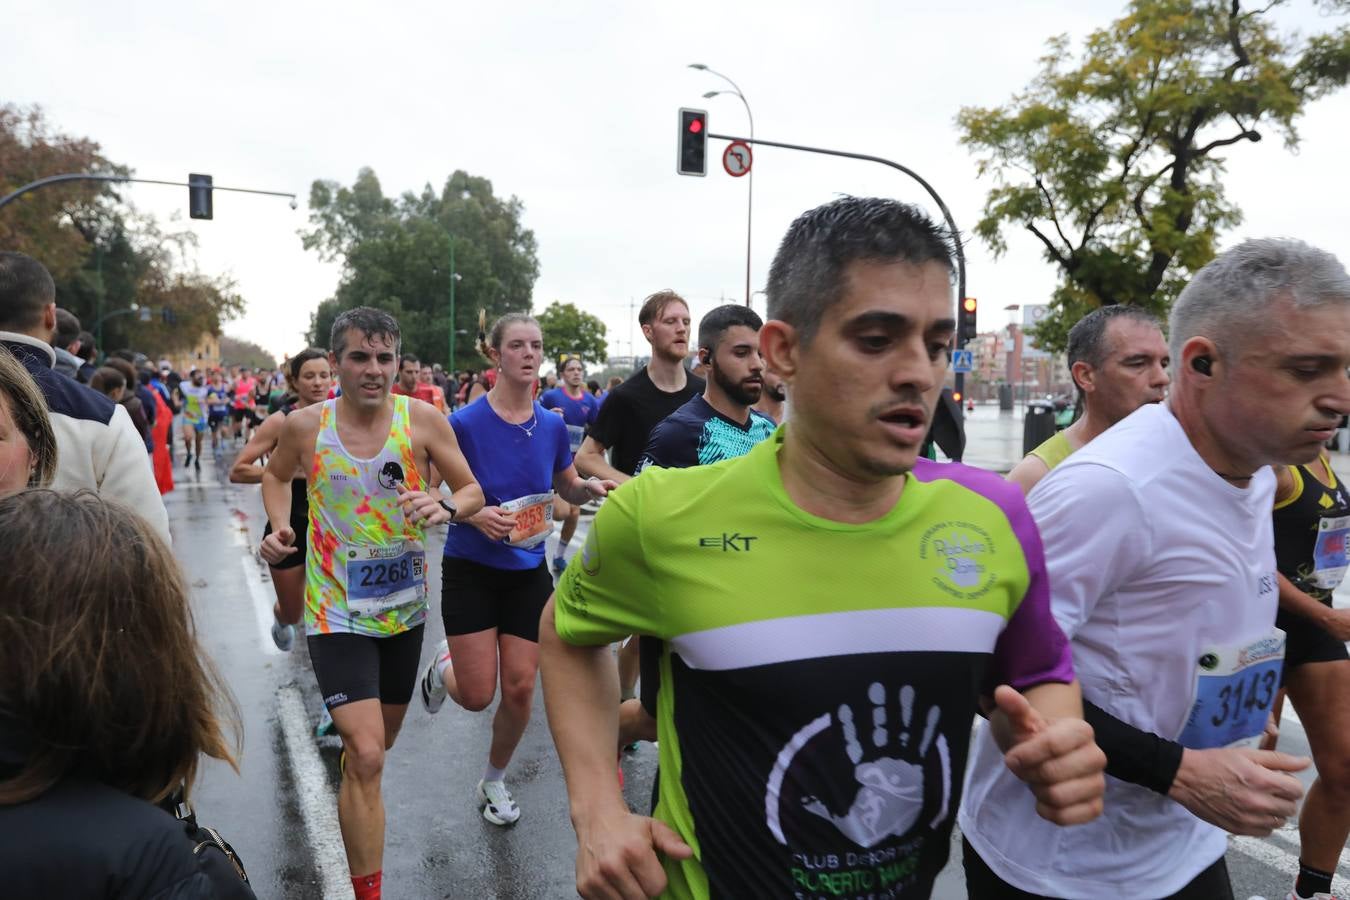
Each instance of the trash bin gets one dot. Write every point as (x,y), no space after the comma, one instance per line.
(1039,425)
(1005,397)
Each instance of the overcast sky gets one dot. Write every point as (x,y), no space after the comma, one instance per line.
(572,108)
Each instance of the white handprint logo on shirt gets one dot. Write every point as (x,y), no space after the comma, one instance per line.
(889,769)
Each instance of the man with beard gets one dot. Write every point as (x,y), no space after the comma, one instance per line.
(625,421)
(626,418)
(1118,360)
(719,424)
(773,398)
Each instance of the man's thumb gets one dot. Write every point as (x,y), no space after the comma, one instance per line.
(666,841)
(1021,715)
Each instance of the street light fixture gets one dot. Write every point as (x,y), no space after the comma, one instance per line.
(750,178)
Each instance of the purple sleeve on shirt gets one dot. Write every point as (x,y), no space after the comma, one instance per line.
(1032,649)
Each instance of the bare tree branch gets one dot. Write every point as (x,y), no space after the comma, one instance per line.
(1235,41)
(1054,216)
(1067,264)
(1253,136)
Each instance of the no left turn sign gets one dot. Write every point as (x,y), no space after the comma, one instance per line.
(736,159)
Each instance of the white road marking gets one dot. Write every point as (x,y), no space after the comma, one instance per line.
(1289,838)
(318,805)
(262,606)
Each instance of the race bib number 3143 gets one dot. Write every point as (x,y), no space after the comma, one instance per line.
(1235,688)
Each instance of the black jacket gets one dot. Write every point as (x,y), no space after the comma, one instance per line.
(84,839)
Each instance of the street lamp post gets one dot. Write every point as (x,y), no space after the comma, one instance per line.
(750,177)
(454,276)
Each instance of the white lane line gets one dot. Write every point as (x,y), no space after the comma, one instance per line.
(262,606)
(1265,853)
(318,805)
(1289,838)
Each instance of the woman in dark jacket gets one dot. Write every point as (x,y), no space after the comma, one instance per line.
(107,705)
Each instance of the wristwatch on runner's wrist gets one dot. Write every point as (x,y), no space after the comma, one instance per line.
(449,506)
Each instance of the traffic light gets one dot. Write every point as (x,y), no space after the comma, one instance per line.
(965,321)
(693,142)
(199,196)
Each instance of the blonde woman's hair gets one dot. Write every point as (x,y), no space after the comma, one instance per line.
(492,339)
(29,409)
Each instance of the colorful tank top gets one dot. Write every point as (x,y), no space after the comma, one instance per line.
(365,569)
(194,402)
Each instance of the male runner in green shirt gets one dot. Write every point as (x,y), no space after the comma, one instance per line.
(834,612)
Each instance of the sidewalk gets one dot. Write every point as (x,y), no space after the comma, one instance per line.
(994,441)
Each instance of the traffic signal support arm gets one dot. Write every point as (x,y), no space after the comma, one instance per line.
(946,213)
(85,176)
(959,378)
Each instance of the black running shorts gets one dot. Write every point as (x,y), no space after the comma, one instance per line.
(299,524)
(351,667)
(1307,641)
(983,883)
(475,597)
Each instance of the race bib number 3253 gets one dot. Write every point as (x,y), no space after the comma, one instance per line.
(534,520)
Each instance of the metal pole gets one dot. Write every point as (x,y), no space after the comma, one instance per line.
(452,303)
(960,378)
(750,176)
(98,325)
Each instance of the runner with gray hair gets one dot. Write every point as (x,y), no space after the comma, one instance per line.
(1162,569)
(1231,301)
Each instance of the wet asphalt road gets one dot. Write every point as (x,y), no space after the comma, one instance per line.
(437,843)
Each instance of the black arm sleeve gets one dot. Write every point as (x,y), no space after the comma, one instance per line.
(1139,757)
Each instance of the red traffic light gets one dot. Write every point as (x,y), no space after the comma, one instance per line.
(956,395)
(970,304)
(695,126)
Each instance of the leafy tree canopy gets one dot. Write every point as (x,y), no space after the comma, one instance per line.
(1113,159)
(396,256)
(102,253)
(568,331)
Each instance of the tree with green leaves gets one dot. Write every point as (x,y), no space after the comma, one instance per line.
(1114,160)
(569,331)
(396,255)
(103,255)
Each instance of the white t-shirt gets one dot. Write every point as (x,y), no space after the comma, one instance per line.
(1157,565)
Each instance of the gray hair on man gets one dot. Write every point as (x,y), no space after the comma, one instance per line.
(1230,299)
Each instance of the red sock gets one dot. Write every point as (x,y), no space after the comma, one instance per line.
(367,887)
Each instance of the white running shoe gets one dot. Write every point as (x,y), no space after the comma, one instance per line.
(433,687)
(283,636)
(498,806)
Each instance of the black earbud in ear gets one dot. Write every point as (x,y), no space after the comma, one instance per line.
(1202,364)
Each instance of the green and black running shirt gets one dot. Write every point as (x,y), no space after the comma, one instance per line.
(819,679)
